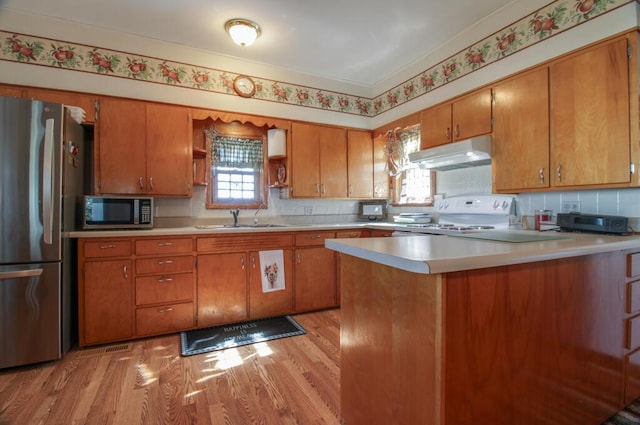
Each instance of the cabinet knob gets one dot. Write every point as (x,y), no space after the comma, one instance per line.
(163,262)
(559,173)
(165,279)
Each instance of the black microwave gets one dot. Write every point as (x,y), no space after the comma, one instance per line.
(118,212)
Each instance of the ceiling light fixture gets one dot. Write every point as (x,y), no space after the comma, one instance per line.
(242,31)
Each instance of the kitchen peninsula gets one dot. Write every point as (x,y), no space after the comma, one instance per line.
(447,330)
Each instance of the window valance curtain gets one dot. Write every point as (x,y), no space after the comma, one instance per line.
(236,152)
(400,143)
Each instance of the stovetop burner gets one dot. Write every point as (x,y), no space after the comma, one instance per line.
(468,214)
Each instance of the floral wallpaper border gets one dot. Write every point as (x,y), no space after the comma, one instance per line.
(556,17)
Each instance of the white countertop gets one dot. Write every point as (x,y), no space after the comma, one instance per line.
(215,229)
(440,254)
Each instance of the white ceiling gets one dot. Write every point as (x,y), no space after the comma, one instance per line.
(355,41)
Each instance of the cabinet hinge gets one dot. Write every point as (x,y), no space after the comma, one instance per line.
(632,168)
(96,105)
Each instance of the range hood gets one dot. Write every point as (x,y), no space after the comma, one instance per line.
(463,154)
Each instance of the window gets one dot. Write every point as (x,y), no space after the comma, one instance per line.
(237,171)
(412,185)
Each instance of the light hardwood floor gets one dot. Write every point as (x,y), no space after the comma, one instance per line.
(287,381)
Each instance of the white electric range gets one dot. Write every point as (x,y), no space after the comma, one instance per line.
(464,214)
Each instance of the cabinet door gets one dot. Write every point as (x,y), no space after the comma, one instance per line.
(360,164)
(108,301)
(305,161)
(590,117)
(380,169)
(222,288)
(521,132)
(316,281)
(333,162)
(122,147)
(472,115)
(169,150)
(271,303)
(435,126)
(86,102)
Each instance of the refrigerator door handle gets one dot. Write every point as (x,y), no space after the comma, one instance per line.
(47,183)
(20,274)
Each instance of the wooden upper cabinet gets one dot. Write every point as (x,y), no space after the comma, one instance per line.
(84,101)
(435,126)
(318,161)
(305,161)
(169,150)
(333,162)
(122,146)
(144,148)
(360,164)
(521,132)
(465,117)
(380,169)
(590,116)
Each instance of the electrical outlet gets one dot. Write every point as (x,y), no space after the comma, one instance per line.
(570,206)
(308,210)
(515,221)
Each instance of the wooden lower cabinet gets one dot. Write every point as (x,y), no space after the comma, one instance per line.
(530,344)
(105,291)
(269,303)
(142,286)
(108,298)
(315,272)
(222,288)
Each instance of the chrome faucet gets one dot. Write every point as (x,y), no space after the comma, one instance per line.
(235,214)
(255,216)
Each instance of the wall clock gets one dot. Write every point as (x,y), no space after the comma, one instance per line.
(244,86)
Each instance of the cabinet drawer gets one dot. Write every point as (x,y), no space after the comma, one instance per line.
(632,377)
(163,246)
(313,238)
(256,241)
(633,297)
(169,264)
(107,248)
(633,333)
(164,288)
(164,319)
(633,264)
(360,233)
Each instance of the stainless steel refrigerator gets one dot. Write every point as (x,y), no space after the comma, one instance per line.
(41,184)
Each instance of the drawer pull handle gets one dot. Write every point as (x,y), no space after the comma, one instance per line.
(163,262)
(315,236)
(165,244)
(242,262)
(165,310)
(165,279)
(125,272)
(253,262)
(110,246)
